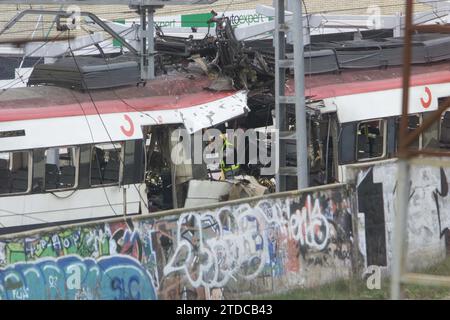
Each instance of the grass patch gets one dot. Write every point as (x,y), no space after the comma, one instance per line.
(356,289)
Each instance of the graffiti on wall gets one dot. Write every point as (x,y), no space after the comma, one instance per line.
(232,243)
(72,278)
(105,261)
(206,254)
(428,213)
(441,193)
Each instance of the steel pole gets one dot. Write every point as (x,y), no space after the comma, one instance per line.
(279,42)
(151,43)
(300,105)
(143,51)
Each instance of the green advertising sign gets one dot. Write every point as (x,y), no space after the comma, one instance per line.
(196,20)
(117,43)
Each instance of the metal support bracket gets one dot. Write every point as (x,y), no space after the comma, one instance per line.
(64,14)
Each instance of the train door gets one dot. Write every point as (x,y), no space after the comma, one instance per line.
(322,138)
(158,177)
(167,179)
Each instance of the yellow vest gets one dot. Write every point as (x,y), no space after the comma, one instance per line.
(223,166)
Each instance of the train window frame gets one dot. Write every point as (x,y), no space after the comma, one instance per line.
(420,115)
(30,174)
(77,169)
(137,164)
(443,123)
(122,150)
(384,154)
(397,126)
(427,135)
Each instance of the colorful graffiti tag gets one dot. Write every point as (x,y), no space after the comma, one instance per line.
(73,278)
(218,253)
(213,248)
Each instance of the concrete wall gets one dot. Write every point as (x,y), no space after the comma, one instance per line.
(257,246)
(428,217)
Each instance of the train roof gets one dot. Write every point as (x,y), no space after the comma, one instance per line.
(47,116)
(169,92)
(358,95)
(180,91)
(350,82)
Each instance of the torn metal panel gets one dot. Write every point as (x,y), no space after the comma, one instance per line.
(246,187)
(80,122)
(215,112)
(207,192)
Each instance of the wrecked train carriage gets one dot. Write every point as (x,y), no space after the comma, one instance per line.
(68,155)
(354,116)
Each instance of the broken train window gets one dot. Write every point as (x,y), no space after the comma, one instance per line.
(371,139)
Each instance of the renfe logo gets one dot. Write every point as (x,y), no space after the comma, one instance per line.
(128,132)
(427,103)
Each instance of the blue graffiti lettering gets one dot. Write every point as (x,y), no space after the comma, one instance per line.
(73,278)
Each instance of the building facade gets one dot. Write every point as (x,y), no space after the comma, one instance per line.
(338,7)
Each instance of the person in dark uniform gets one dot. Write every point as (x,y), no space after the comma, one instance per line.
(373,132)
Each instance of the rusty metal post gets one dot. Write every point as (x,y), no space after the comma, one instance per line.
(400,276)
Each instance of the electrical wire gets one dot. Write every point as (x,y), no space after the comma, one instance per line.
(120,98)
(101,118)
(245,2)
(123,33)
(235,2)
(90,129)
(379,6)
(14,82)
(228,7)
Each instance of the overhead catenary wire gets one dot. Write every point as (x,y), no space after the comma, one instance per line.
(135,109)
(101,120)
(90,129)
(244,2)
(14,82)
(235,2)
(120,98)
(399,5)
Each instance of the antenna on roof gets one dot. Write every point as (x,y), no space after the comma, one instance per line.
(146,10)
